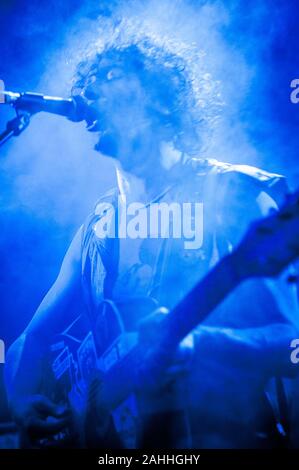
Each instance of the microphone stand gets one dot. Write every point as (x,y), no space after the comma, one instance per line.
(26,105)
(15,127)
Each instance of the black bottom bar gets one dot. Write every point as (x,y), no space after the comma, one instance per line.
(132,459)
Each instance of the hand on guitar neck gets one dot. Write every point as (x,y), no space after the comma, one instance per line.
(271,243)
(269,246)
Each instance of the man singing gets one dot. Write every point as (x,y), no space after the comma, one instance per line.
(150,124)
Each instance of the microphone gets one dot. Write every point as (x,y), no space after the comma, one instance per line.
(76,109)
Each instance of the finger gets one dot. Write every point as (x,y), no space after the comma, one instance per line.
(176,371)
(153,318)
(40,427)
(173,373)
(48,407)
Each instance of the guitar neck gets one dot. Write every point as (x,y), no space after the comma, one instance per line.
(120,380)
(200,302)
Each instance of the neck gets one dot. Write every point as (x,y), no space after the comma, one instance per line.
(153,175)
(155,180)
(150,170)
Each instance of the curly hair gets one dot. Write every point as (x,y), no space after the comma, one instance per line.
(174,94)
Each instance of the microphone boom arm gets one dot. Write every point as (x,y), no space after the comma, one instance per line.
(26,104)
(15,127)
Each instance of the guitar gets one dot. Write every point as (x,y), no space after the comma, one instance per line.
(102,377)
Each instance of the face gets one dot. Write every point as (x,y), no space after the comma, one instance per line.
(126,130)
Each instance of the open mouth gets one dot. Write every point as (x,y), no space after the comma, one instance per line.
(107,144)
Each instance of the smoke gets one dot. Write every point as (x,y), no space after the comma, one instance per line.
(51,176)
(54,165)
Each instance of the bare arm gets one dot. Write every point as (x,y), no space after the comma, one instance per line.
(270,301)
(265,351)
(24,363)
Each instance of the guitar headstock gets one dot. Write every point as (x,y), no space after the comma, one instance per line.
(271,243)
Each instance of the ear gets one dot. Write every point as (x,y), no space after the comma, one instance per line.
(170,155)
